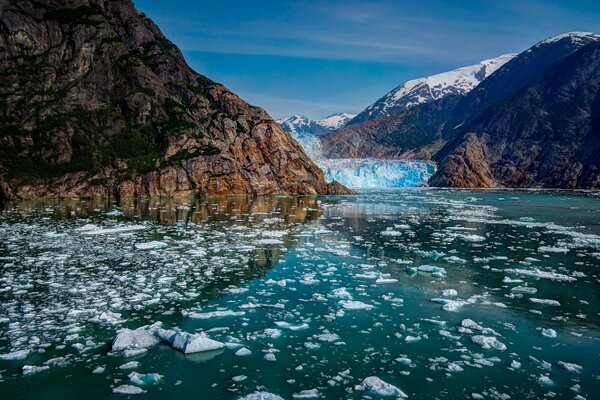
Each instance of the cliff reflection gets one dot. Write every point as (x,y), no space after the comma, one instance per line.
(242,209)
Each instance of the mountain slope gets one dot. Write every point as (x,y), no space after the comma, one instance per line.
(413,133)
(297,124)
(96,101)
(514,75)
(546,135)
(424,90)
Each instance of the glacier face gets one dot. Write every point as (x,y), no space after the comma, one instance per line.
(357,173)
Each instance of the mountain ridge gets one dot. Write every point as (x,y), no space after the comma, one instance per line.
(97,102)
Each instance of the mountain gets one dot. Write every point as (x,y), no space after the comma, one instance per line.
(495,135)
(95,101)
(545,135)
(297,124)
(412,133)
(514,75)
(424,90)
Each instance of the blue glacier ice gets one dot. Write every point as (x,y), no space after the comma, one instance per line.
(357,173)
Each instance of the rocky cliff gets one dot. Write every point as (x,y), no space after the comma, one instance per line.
(95,101)
(546,135)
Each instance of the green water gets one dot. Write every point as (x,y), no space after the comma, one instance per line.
(282,259)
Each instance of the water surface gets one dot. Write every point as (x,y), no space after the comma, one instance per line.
(324,292)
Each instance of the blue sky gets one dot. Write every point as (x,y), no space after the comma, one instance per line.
(316,58)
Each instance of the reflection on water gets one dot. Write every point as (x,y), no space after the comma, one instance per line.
(409,286)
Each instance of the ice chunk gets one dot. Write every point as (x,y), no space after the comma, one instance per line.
(431,269)
(144,379)
(449,293)
(546,302)
(550,333)
(341,293)
(571,367)
(488,342)
(128,339)
(15,355)
(150,245)
(307,394)
(128,389)
(114,230)
(33,369)
(243,352)
(537,273)
(239,378)
(379,387)
(130,365)
(355,305)
(193,343)
(524,290)
(261,396)
(213,314)
(291,327)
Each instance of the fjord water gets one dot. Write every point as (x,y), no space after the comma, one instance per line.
(324,292)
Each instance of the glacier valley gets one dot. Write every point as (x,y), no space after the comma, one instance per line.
(357,173)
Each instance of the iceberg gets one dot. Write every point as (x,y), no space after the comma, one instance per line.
(193,343)
(379,387)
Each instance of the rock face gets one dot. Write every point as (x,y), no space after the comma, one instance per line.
(95,101)
(546,135)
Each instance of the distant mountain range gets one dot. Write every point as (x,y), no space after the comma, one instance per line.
(533,121)
(297,124)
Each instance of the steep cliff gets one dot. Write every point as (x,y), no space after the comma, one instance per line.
(96,101)
(546,135)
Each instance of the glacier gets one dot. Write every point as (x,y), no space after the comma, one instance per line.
(366,173)
(357,173)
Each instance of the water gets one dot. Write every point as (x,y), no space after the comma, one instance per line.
(283,262)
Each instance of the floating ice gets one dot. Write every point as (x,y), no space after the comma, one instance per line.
(549,332)
(379,387)
(261,396)
(109,231)
(307,394)
(546,302)
(488,342)
(136,339)
(144,379)
(193,343)
(213,314)
(571,367)
(243,352)
(291,327)
(150,245)
(355,305)
(128,389)
(15,355)
(34,369)
(536,273)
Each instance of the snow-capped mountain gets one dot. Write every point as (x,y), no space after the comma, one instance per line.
(577,39)
(424,90)
(297,124)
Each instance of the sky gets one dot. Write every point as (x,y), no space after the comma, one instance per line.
(316,58)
